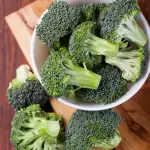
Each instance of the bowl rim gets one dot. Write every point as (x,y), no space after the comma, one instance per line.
(102,106)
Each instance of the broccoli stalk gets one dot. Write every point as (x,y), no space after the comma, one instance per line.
(117,22)
(129,29)
(99,46)
(25,89)
(40,129)
(83,42)
(58,77)
(109,144)
(82,77)
(111,87)
(22,73)
(130,63)
(32,128)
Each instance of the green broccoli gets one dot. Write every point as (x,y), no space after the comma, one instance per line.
(34,129)
(61,70)
(130,63)
(85,46)
(60,20)
(118,21)
(111,87)
(25,89)
(93,129)
(91,11)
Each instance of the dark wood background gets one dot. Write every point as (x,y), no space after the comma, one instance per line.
(11,57)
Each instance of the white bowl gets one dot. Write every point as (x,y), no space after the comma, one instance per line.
(39,54)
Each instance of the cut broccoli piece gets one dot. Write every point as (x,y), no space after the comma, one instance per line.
(88,11)
(63,42)
(101,6)
(60,70)
(91,11)
(25,89)
(85,46)
(117,22)
(59,21)
(111,87)
(34,129)
(130,63)
(84,41)
(87,130)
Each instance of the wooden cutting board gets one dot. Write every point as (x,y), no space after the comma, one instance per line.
(135,114)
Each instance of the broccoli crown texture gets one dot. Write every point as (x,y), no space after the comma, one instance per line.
(34,129)
(85,46)
(91,11)
(25,89)
(131,63)
(111,87)
(117,22)
(88,129)
(60,70)
(60,20)
(88,11)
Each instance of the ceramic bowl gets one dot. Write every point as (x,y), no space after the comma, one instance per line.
(39,54)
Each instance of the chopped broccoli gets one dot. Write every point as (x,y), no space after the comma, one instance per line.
(63,42)
(25,89)
(130,63)
(111,87)
(91,11)
(59,21)
(88,11)
(33,128)
(118,21)
(85,46)
(56,46)
(60,70)
(92,129)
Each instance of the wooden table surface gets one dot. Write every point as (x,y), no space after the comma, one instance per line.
(11,57)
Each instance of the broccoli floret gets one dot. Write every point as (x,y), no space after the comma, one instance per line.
(25,89)
(86,47)
(63,42)
(130,63)
(111,87)
(92,129)
(91,11)
(88,11)
(56,46)
(33,128)
(60,20)
(60,70)
(118,21)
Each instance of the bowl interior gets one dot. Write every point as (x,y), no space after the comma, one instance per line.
(39,54)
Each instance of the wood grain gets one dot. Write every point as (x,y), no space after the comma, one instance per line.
(10,58)
(135,114)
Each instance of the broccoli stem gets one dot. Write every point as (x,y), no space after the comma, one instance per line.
(82,77)
(131,30)
(51,127)
(99,46)
(130,54)
(37,144)
(130,67)
(47,146)
(113,142)
(28,137)
(41,131)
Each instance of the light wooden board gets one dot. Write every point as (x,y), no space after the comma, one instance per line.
(135,114)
